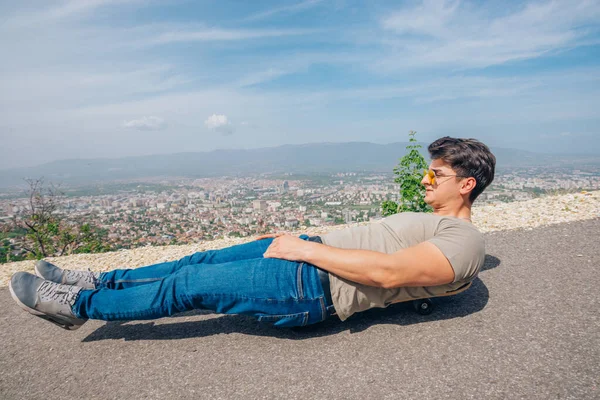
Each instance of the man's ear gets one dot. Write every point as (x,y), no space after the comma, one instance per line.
(468,184)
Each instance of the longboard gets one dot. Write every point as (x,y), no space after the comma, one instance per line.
(425,306)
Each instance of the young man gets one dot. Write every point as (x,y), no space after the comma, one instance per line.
(294,281)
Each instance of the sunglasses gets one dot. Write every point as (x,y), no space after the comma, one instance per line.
(432,176)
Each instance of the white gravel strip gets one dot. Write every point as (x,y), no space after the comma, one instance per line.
(502,216)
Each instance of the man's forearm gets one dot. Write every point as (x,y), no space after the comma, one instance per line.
(362,266)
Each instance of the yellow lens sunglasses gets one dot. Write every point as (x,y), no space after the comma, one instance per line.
(432,176)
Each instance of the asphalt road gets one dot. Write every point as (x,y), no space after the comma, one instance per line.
(529,328)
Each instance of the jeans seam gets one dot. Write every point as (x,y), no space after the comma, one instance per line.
(137,280)
(73,310)
(270,317)
(269,299)
(323,309)
(299,281)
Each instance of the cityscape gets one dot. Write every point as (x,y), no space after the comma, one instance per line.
(157,211)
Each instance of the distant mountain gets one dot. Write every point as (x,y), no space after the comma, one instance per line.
(303,158)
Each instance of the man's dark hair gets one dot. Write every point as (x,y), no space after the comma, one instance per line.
(468,158)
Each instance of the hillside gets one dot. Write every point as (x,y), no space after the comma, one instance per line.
(309,158)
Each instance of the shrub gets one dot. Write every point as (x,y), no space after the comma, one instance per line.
(47,231)
(409,173)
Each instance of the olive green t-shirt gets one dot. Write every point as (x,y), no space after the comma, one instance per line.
(459,240)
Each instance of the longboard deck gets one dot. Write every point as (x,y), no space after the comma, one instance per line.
(451,293)
(424,305)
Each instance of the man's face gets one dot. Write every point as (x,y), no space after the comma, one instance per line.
(445,188)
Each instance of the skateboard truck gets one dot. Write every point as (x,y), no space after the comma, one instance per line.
(423,306)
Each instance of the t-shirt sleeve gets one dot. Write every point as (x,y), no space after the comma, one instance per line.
(463,246)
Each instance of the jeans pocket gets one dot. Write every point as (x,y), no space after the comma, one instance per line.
(285,320)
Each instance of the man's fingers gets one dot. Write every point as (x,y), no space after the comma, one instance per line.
(269,235)
(262,237)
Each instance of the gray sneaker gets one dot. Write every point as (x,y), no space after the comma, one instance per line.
(50,272)
(48,300)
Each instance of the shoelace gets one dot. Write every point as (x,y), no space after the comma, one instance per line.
(64,294)
(75,275)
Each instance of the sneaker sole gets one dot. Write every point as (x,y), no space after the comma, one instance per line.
(63,324)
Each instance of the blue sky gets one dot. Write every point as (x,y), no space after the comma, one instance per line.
(111,78)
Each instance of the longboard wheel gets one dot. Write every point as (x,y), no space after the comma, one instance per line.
(423,306)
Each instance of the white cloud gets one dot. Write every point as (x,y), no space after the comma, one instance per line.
(60,11)
(564,135)
(429,18)
(260,77)
(150,123)
(291,9)
(219,123)
(55,88)
(212,35)
(454,33)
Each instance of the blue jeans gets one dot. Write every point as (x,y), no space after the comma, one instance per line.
(233,280)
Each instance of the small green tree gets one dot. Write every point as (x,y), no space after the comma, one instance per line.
(409,175)
(48,233)
(92,240)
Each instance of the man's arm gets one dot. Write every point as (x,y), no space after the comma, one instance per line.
(420,265)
